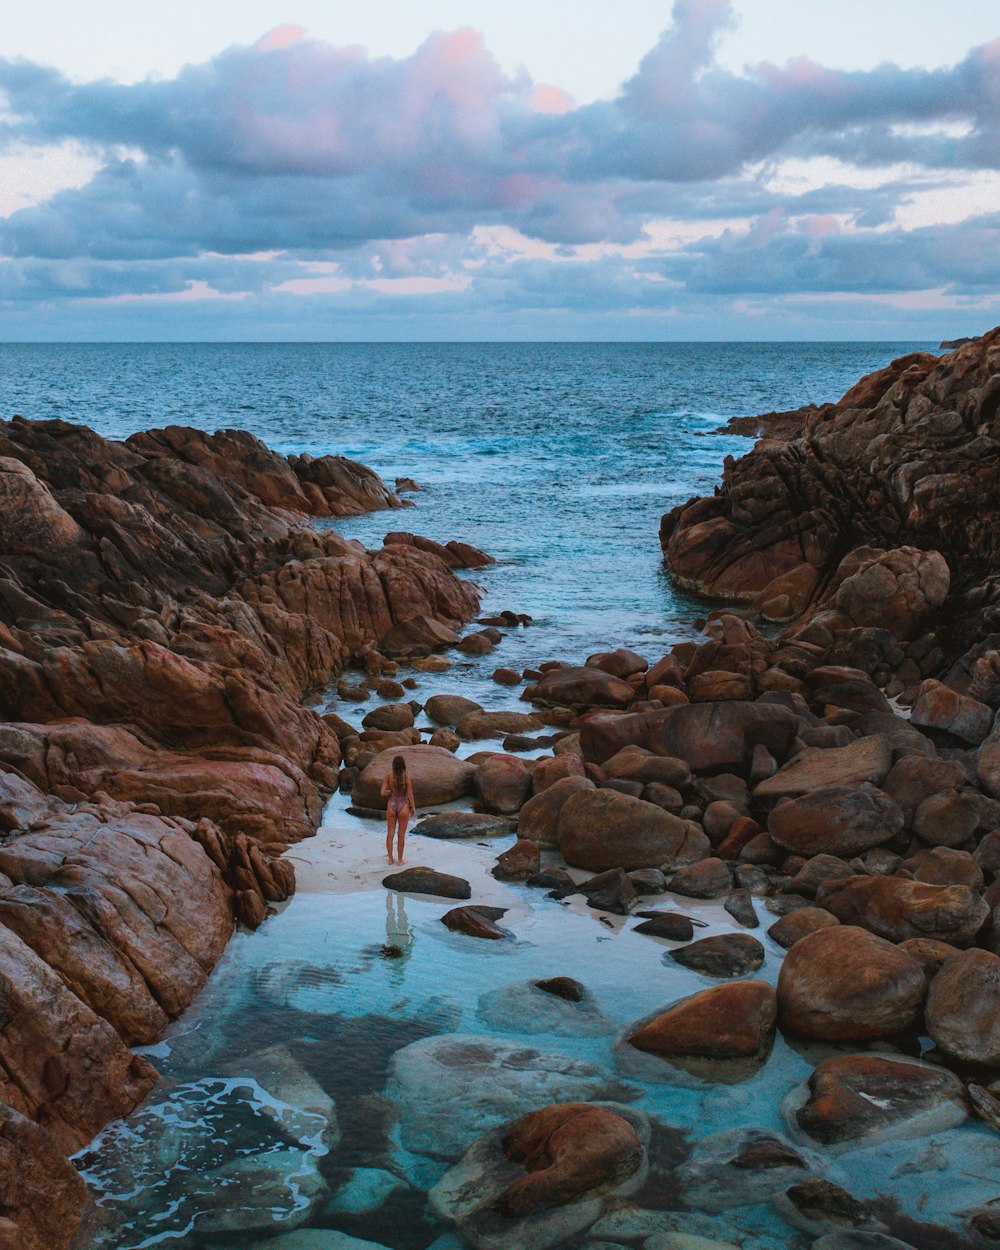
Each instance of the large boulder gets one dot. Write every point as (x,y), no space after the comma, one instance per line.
(742,1167)
(42,1194)
(503,784)
(840,820)
(639,764)
(844,984)
(893,590)
(864,1099)
(708,737)
(477,725)
(448,709)
(865,760)
(582,687)
(898,908)
(601,829)
(963,1009)
(937,706)
(436,775)
(539,817)
(724,1033)
(420,880)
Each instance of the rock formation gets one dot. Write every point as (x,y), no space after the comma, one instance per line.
(165,607)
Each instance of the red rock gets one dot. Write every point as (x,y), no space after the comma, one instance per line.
(539,817)
(571,1151)
(601,829)
(963,1009)
(435,774)
(723,1024)
(865,760)
(547,772)
(930,953)
(477,725)
(835,820)
(843,984)
(637,764)
(503,784)
(938,707)
(621,663)
(799,924)
(43,1194)
(519,863)
(898,908)
(582,687)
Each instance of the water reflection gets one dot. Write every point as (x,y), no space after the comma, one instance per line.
(399,936)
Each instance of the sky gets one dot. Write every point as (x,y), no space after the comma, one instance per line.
(559,169)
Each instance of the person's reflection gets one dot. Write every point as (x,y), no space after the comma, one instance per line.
(398,934)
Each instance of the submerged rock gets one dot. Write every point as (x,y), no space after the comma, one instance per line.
(451,1088)
(742,1167)
(479,922)
(528,1007)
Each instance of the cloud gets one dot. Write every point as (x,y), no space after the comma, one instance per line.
(300,153)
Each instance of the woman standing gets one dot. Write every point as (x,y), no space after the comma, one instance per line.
(399,792)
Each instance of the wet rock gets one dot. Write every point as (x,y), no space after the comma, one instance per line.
(865,1099)
(520,862)
(557,880)
(941,865)
(648,881)
(799,924)
(448,825)
(930,953)
(503,784)
(709,737)
(582,687)
(390,716)
(507,677)
(637,764)
(668,924)
(740,906)
(816,870)
(435,774)
(621,663)
(419,880)
(709,878)
(478,922)
(527,1007)
(947,819)
(417,636)
(43,1194)
(452,1087)
(448,709)
(446,738)
(963,1009)
(573,1152)
(474,726)
(742,1167)
(859,1241)
(724,955)
(601,829)
(818,1204)
(898,908)
(547,772)
(839,820)
(843,984)
(721,1034)
(539,817)
(865,760)
(610,891)
(475,644)
(939,707)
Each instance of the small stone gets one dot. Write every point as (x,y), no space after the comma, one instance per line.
(740,906)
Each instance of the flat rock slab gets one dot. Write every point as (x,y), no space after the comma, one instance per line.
(448,825)
(428,881)
(867,759)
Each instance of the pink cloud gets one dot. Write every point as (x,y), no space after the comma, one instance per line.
(281,37)
(547,98)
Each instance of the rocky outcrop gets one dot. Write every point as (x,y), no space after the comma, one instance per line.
(873,514)
(165,604)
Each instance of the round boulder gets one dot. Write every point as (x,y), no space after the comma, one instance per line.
(436,775)
(844,984)
(963,1009)
(503,784)
(539,818)
(583,687)
(601,829)
(448,709)
(836,820)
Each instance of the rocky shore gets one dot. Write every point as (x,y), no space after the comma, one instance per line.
(166,608)
(824,764)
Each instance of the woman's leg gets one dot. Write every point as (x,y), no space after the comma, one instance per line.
(403,821)
(390,826)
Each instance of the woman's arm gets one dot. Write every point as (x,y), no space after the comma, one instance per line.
(385,785)
(409,795)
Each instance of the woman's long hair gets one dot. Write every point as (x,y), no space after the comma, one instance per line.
(399,774)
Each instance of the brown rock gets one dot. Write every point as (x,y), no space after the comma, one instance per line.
(709,878)
(522,861)
(858,1096)
(723,1024)
(723,955)
(843,984)
(866,760)
(930,953)
(898,908)
(621,663)
(638,764)
(963,1009)
(390,716)
(448,709)
(941,865)
(667,924)
(435,774)
(477,725)
(601,829)
(796,925)
(547,772)
(835,820)
(916,777)
(571,1151)
(539,818)
(948,818)
(479,922)
(421,880)
(939,707)
(503,784)
(582,687)
(43,1194)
